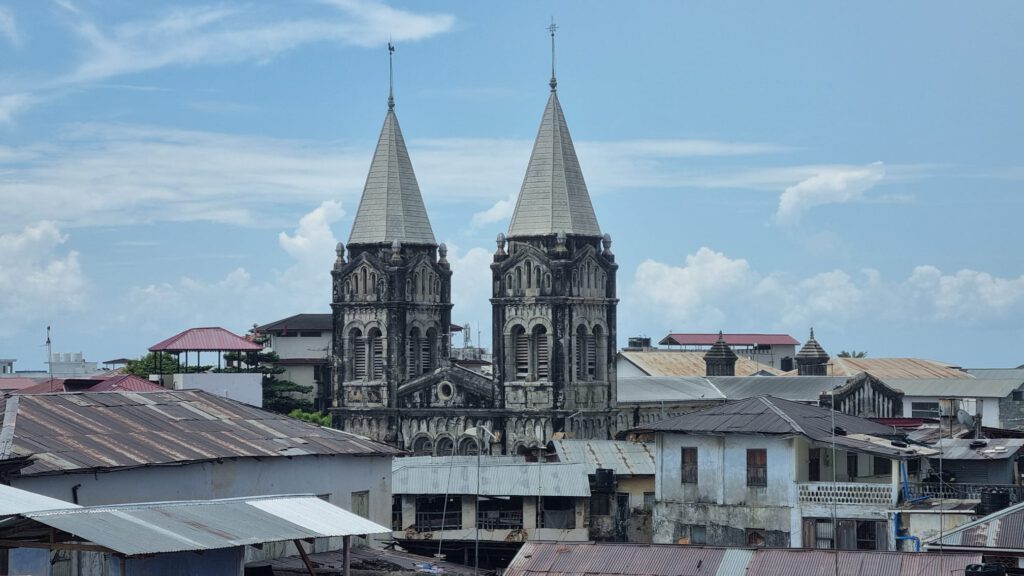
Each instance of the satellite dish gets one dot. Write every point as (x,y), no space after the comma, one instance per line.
(964,418)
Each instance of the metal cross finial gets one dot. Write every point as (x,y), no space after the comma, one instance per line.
(391,75)
(552,29)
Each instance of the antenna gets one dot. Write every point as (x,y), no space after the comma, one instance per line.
(49,358)
(552,29)
(391,75)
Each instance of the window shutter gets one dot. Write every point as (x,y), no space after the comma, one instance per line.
(359,357)
(542,356)
(522,345)
(378,357)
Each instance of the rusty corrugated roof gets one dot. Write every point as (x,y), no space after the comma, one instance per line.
(626,458)
(615,559)
(999,531)
(108,430)
(886,368)
(683,363)
(214,339)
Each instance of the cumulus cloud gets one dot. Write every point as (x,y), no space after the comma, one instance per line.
(830,186)
(313,238)
(714,291)
(501,210)
(38,280)
(471,288)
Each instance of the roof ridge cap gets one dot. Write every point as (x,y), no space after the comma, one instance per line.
(778,412)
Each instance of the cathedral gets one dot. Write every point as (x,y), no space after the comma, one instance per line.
(553,313)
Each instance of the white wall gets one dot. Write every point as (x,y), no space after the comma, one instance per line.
(336,476)
(242,386)
(626,369)
(301,346)
(989,407)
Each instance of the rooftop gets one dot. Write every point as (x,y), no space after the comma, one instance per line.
(999,531)
(683,363)
(685,339)
(299,322)
(626,458)
(499,476)
(75,432)
(887,368)
(620,559)
(212,339)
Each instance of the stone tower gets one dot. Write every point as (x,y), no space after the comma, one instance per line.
(554,303)
(812,360)
(391,296)
(720,360)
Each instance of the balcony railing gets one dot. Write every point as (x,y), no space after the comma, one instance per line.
(500,519)
(847,493)
(964,491)
(563,519)
(429,521)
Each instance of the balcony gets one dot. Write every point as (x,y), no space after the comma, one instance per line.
(964,491)
(500,519)
(433,521)
(847,493)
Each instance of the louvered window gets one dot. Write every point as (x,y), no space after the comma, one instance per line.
(591,357)
(413,361)
(521,349)
(359,358)
(581,353)
(540,342)
(377,349)
(427,352)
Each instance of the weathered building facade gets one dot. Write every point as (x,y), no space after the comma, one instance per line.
(554,305)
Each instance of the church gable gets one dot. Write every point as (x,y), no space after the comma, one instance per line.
(866,396)
(448,387)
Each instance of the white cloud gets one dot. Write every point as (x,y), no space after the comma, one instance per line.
(38,281)
(471,288)
(9,27)
(313,238)
(501,210)
(831,186)
(712,291)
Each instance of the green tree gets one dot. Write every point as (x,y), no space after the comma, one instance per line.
(153,363)
(853,354)
(279,395)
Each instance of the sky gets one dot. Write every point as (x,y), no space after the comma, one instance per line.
(761,167)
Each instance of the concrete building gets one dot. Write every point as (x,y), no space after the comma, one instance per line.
(303,344)
(774,350)
(435,505)
(98,448)
(245,385)
(770,472)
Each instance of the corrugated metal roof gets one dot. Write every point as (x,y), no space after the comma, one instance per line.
(554,197)
(161,527)
(119,382)
(795,388)
(615,559)
(214,339)
(730,339)
(666,389)
(17,383)
(683,363)
(626,458)
(17,501)
(995,449)
(955,387)
(391,207)
(1001,530)
(104,430)
(446,475)
(997,373)
(886,368)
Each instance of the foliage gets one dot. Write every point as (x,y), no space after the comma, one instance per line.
(853,354)
(148,364)
(279,395)
(318,418)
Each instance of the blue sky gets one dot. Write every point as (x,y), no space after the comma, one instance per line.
(855,167)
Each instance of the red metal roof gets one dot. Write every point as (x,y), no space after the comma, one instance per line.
(122,382)
(730,339)
(204,339)
(17,383)
(127,383)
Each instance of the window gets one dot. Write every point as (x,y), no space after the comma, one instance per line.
(438,513)
(698,534)
(309,334)
(1018,395)
(755,537)
(500,514)
(520,353)
(413,360)
(757,467)
(814,465)
(866,538)
(851,465)
(540,352)
(396,512)
(850,535)
(648,501)
(601,505)
(924,410)
(882,466)
(688,465)
(557,512)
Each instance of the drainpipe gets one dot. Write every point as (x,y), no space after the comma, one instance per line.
(896,534)
(906,485)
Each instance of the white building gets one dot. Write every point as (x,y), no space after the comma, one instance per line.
(775,350)
(770,472)
(302,343)
(99,448)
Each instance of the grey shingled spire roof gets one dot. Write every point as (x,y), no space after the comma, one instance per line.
(720,350)
(391,207)
(812,350)
(554,197)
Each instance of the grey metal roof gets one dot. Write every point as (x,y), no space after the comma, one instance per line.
(299,322)
(67,432)
(997,373)
(795,388)
(512,478)
(154,528)
(666,388)
(1001,530)
(391,207)
(955,387)
(554,196)
(995,449)
(626,458)
(17,501)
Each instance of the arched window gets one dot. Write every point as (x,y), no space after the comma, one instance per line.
(529,274)
(375,350)
(468,446)
(519,278)
(540,352)
(427,350)
(358,348)
(520,359)
(581,352)
(596,354)
(537,276)
(362,274)
(413,360)
(423,446)
(444,447)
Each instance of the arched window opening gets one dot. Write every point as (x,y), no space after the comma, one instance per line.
(375,350)
(468,447)
(358,354)
(423,446)
(519,278)
(598,340)
(413,360)
(537,276)
(427,347)
(540,352)
(520,353)
(529,274)
(362,274)
(581,352)
(444,447)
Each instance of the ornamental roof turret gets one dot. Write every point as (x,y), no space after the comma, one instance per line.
(812,350)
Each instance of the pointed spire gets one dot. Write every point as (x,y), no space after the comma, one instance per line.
(554,197)
(391,76)
(391,207)
(812,360)
(554,82)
